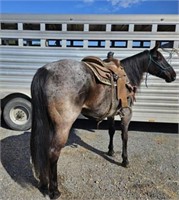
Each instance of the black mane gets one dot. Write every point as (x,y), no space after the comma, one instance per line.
(135,66)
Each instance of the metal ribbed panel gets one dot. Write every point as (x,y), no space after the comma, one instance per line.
(88,35)
(159,102)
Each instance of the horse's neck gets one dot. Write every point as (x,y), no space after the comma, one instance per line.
(135,66)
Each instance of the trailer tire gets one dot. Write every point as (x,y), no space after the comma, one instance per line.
(17,114)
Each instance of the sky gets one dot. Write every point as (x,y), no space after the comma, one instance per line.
(90,6)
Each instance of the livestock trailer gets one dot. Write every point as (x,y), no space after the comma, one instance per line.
(30,41)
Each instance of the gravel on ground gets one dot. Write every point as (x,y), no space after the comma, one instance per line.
(85,172)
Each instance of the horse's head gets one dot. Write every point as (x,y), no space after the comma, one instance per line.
(158,66)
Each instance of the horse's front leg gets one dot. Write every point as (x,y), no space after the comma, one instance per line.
(125,121)
(111,136)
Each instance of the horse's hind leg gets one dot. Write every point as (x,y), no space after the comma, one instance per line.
(54,193)
(58,142)
(63,122)
(44,180)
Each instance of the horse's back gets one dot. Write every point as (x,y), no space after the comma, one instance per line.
(70,70)
(67,77)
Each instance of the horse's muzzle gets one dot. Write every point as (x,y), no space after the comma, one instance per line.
(170,77)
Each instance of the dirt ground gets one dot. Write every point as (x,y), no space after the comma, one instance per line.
(85,172)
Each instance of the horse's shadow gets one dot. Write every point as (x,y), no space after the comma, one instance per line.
(15,156)
(74,140)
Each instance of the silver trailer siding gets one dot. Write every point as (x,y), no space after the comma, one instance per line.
(30,41)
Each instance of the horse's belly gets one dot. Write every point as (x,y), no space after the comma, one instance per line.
(97,114)
(91,114)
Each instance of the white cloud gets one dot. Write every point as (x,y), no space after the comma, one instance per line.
(124,3)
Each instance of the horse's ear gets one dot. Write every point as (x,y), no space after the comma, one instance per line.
(156,47)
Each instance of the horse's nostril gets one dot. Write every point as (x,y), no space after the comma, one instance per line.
(174,78)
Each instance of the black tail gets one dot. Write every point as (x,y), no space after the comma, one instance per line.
(42,127)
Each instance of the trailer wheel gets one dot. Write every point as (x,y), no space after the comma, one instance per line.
(17,114)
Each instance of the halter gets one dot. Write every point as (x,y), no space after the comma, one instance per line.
(159,65)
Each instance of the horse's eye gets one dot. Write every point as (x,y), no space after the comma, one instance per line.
(159,57)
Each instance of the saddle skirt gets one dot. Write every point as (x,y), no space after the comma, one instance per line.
(99,69)
(107,71)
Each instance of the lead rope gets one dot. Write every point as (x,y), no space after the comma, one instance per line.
(146,78)
(171,52)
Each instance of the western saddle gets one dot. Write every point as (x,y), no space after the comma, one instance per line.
(110,72)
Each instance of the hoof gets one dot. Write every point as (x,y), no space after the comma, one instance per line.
(110,153)
(125,164)
(55,194)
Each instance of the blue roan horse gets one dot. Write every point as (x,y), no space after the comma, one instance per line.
(62,90)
